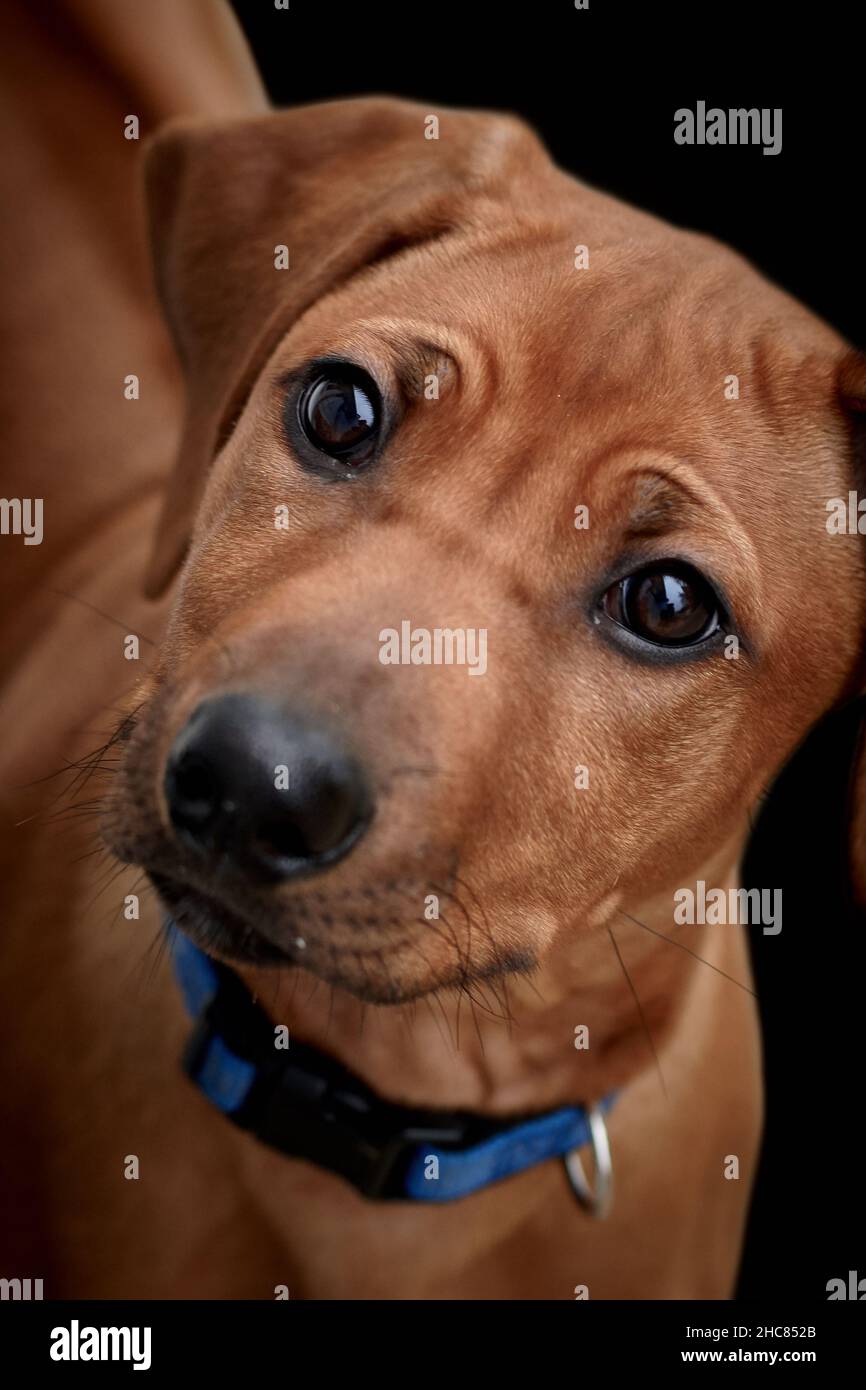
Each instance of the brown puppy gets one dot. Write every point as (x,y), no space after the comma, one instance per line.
(399,427)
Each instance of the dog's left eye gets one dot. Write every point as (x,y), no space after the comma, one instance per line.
(340,412)
(667,603)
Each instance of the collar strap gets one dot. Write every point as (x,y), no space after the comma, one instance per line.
(306,1105)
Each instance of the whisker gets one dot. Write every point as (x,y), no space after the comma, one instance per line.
(646,1029)
(688,949)
(426,1000)
(118,622)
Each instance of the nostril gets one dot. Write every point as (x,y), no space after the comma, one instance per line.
(279,839)
(193,792)
(311,825)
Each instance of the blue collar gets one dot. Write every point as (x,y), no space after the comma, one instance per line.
(308,1106)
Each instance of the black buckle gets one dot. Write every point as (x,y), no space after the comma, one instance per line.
(340,1124)
(308,1106)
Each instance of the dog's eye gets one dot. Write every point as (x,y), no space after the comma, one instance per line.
(340,413)
(667,603)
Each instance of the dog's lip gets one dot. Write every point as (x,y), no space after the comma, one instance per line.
(246,945)
(242,942)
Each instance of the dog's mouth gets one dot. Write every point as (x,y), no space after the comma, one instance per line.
(220,931)
(395,970)
(373,973)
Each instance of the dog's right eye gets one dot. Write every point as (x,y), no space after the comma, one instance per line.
(340,413)
(666,604)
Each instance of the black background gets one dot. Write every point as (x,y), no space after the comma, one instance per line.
(601,87)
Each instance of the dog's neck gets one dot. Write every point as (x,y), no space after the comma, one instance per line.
(598,1011)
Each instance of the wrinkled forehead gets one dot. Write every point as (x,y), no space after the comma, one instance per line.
(655,338)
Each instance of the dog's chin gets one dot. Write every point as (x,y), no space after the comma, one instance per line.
(392,973)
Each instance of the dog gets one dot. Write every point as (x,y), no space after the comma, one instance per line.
(432,384)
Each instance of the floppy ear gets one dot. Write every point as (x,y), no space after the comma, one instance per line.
(340,185)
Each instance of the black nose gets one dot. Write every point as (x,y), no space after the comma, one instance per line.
(271,794)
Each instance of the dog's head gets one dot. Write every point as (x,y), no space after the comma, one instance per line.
(508,583)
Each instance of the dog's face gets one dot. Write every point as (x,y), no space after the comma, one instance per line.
(606,481)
